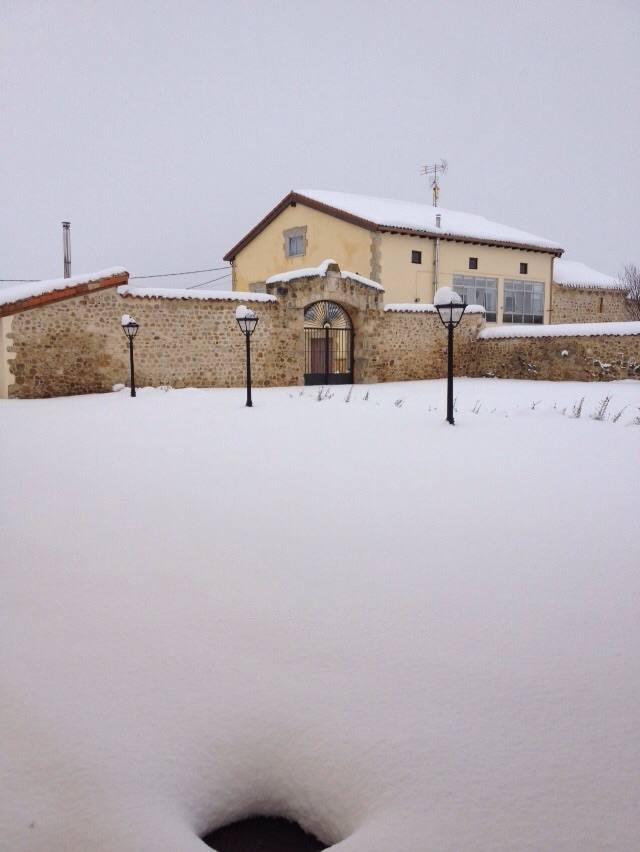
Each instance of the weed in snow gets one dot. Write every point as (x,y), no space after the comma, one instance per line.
(601,411)
(617,416)
(324,393)
(398,403)
(476,408)
(577,409)
(348,396)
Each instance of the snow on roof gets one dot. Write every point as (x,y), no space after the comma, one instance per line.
(573,329)
(573,273)
(320,271)
(307,272)
(411,215)
(425,308)
(170,293)
(366,281)
(32,289)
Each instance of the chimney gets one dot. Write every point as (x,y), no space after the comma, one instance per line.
(438,219)
(66,245)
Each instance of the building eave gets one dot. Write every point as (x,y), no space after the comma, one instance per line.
(477,241)
(297,198)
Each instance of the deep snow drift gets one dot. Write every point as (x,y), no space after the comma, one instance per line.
(406,636)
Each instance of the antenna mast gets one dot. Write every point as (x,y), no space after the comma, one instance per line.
(434,171)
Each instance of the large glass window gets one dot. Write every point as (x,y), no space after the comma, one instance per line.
(523,301)
(477,290)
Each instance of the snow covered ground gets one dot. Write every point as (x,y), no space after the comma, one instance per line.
(406,636)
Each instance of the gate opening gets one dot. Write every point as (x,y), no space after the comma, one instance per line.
(328,345)
(263,834)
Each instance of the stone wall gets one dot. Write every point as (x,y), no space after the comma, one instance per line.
(413,345)
(574,304)
(77,346)
(569,358)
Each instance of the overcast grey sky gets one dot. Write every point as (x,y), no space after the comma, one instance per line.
(165,130)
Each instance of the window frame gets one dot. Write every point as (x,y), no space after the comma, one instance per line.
(416,256)
(473,263)
(297,236)
(524,268)
(523,302)
(475,288)
(298,240)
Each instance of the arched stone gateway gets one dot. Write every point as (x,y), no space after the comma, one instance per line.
(263,834)
(328,344)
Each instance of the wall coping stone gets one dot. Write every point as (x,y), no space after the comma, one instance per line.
(425,308)
(577,329)
(33,294)
(199,295)
(327,266)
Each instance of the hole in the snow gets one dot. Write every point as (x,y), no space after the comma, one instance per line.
(263,834)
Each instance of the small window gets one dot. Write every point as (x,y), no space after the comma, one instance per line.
(524,268)
(295,241)
(295,245)
(416,257)
(473,263)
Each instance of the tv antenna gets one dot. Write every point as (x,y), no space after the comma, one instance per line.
(434,171)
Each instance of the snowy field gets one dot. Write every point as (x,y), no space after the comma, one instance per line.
(406,636)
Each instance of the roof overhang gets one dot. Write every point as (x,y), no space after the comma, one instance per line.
(297,198)
(91,285)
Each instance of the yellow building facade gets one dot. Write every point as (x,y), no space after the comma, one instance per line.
(511,277)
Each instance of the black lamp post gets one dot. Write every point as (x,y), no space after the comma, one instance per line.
(247,320)
(130,328)
(450,309)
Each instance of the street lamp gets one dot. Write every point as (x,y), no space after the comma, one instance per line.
(450,309)
(130,328)
(247,320)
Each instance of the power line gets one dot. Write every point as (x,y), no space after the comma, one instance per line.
(172,274)
(204,283)
(131,277)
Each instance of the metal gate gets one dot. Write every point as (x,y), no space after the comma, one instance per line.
(328,345)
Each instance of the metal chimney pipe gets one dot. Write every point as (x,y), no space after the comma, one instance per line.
(66,245)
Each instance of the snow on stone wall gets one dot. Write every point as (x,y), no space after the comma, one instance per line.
(77,345)
(570,357)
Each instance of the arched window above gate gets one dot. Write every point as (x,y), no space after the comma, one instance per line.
(321,314)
